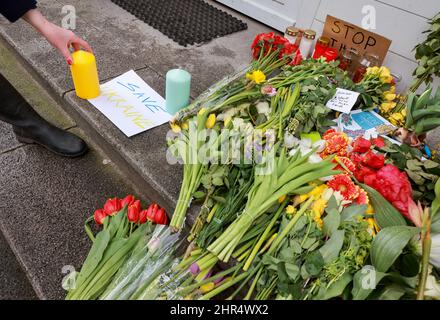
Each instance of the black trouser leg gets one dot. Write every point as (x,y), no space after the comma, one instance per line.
(30,127)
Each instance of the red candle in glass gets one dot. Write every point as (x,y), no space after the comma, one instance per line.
(331,54)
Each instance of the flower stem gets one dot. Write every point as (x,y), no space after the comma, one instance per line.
(426,251)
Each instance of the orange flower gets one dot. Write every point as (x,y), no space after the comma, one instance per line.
(335,143)
(346,162)
(363,197)
(345,186)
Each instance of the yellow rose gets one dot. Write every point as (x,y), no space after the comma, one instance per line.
(385,75)
(387,106)
(373,70)
(257,76)
(390,97)
(210,122)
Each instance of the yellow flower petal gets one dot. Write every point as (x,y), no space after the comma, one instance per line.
(282,199)
(202,111)
(207,287)
(185,125)
(390,97)
(290,210)
(210,122)
(176,128)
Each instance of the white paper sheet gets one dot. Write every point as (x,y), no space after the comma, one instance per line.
(343,101)
(131,104)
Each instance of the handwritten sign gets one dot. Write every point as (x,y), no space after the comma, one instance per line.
(364,123)
(345,35)
(343,100)
(131,104)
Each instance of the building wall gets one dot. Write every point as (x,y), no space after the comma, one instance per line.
(402,21)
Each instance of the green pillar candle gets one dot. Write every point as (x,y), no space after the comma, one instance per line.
(178,88)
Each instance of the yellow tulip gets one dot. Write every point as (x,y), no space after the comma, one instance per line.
(202,111)
(373,70)
(176,128)
(207,287)
(210,122)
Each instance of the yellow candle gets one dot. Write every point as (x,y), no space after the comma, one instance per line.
(85,75)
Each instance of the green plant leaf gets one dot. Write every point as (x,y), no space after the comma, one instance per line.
(292,271)
(388,245)
(330,250)
(314,263)
(336,289)
(365,282)
(391,292)
(386,215)
(436,203)
(352,212)
(331,222)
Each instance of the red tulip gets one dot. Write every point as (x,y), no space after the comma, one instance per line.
(99,216)
(161,217)
(112,206)
(127,201)
(134,211)
(151,212)
(143,216)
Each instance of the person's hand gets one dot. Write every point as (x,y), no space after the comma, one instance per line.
(61,39)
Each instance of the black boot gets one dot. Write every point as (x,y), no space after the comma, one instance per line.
(30,127)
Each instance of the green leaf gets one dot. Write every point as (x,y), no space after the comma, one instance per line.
(331,222)
(199,194)
(95,255)
(314,263)
(352,212)
(436,203)
(386,215)
(365,282)
(391,292)
(330,250)
(336,289)
(388,245)
(292,271)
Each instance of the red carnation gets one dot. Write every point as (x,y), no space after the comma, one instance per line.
(374,160)
(394,186)
(361,145)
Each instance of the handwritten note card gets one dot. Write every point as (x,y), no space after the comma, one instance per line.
(131,104)
(343,100)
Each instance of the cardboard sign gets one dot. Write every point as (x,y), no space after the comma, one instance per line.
(345,35)
(343,100)
(131,104)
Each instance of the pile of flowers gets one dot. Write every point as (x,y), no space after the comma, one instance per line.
(296,208)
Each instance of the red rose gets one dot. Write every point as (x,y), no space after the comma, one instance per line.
(361,145)
(378,142)
(394,186)
(374,160)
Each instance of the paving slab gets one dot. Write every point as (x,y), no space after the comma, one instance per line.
(45,201)
(13,282)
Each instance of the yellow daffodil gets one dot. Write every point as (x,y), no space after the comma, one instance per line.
(207,287)
(282,199)
(256,76)
(210,122)
(175,127)
(386,107)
